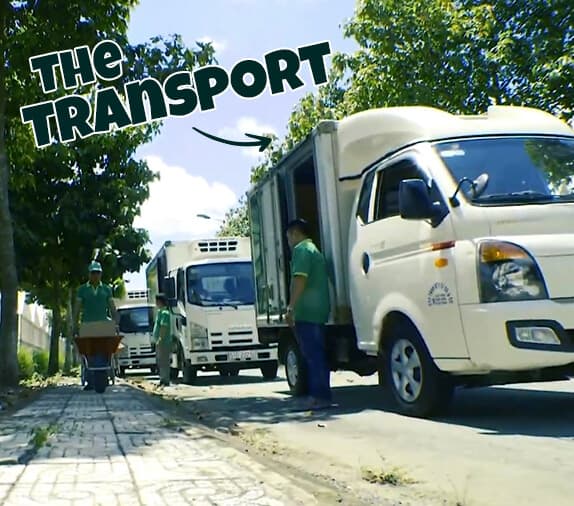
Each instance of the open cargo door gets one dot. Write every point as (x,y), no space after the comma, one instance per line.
(267,244)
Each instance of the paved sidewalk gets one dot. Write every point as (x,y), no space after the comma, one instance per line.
(116,448)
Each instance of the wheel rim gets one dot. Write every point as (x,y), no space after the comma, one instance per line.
(291,367)
(406,370)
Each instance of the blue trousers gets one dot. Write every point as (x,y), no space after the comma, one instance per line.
(311,339)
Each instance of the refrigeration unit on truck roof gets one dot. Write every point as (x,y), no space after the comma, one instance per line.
(133,298)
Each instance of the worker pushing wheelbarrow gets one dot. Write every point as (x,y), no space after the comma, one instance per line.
(97,336)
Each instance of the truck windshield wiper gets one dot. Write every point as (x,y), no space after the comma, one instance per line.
(527,196)
(220,304)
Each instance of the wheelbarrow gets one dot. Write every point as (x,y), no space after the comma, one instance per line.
(114,372)
(98,352)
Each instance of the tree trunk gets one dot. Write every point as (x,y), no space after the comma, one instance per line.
(8,276)
(69,329)
(54,362)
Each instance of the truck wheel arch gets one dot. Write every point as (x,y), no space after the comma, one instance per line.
(391,320)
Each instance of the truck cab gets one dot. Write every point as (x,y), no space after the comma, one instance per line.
(449,241)
(136,325)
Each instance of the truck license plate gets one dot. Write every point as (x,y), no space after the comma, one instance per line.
(239,355)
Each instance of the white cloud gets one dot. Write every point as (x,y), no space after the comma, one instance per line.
(246,125)
(170,213)
(218,45)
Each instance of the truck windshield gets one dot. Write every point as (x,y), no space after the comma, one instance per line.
(225,284)
(520,169)
(136,319)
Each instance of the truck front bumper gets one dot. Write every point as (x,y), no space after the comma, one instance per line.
(229,357)
(137,361)
(495,334)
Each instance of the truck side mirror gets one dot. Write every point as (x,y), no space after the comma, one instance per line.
(170,291)
(415,201)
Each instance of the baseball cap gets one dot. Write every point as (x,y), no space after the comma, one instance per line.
(95,266)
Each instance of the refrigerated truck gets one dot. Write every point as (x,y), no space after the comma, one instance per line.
(450,245)
(209,283)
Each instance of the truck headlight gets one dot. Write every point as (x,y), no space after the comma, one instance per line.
(197,331)
(200,343)
(507,272)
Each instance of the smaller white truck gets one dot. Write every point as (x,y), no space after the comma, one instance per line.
(209,283)
(450,241)
(136,325)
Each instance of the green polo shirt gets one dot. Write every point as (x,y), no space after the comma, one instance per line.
(313,305)
(162,320)
(95,302)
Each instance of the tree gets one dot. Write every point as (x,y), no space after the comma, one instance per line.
(62,174)
(461,55)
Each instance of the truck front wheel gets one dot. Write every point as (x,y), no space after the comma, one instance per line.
(269,371)
(417,386)
(189,373)
(295,370)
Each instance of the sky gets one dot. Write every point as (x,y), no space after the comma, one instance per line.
(199,175)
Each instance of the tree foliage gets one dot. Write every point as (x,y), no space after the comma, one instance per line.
(61,209)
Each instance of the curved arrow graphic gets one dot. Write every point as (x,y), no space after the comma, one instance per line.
(261,141)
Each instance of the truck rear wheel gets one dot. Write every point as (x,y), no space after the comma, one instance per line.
(417,386)
(295,370)
(269,371)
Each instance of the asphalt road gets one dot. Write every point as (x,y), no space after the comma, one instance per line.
(497,446)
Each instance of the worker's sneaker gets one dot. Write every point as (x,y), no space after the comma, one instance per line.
(319,404)
(88,387)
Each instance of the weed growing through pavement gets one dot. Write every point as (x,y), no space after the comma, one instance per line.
(40,435)
(394,477)
(169,423)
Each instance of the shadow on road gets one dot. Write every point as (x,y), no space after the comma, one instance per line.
(207,380)
(493,410)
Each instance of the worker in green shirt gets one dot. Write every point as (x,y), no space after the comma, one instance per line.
(162,339)
(309,309)
(95,303)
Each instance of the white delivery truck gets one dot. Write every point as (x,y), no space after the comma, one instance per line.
(136,325)
(210,286)
(450,241)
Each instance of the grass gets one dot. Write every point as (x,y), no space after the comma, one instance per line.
(41,435)
(33,365)
(170,423)
(394,477)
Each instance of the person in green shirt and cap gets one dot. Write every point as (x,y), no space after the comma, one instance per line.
(94,301)
(309,309)
(162,339)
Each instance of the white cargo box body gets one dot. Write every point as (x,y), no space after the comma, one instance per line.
(335,156)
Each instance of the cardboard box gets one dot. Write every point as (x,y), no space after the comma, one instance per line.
(98,329)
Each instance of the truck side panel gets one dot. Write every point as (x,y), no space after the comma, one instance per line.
(333,199)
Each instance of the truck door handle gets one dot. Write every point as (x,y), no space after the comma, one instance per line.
(365,262)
